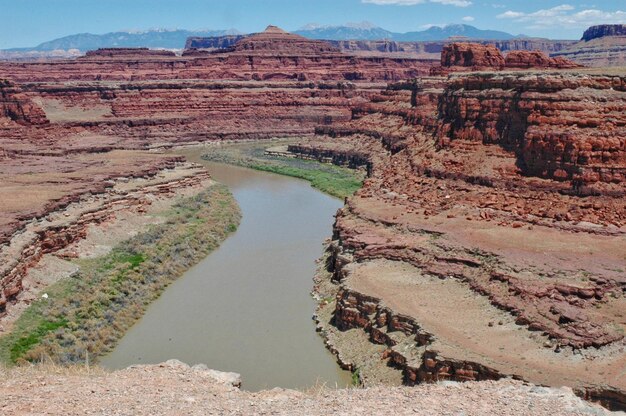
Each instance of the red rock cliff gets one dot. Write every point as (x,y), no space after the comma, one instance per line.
(473,55)
(556,123)
(17,107)
(536,59)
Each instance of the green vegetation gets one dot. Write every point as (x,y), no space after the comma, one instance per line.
(356,377)
(333,180)
(87,313)
(24,344)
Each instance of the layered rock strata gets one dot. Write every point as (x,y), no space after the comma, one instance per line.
(601,31)
(16,107)
(64,221)
(455,238)
(266,56)
(562,127)
(426,49)
(461,57)
(609,51)
(128,52)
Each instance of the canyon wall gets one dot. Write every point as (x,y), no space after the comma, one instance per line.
(55,228)
(600,46)
(501,193)
(16,107)
(270,55)
(424,49)
(73,129)
(600,31)
(461,57)
(555,124)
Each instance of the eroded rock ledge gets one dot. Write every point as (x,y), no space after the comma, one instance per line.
(466,219)
(65,224)
(174,388)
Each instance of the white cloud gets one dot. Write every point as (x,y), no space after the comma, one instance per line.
(458,3)
(468,19)
(565,16)
(510,15)
(394,2)
(429,25)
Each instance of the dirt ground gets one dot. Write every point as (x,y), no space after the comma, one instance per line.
(173,388)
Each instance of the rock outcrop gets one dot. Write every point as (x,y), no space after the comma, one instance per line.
(537,60)
(427,49)
(500,211)
(555,124)
(16,107)
(471,55)
(600,31)
(276,41)
(213,42)
(56,218)
(600,46)
(607,51)
(459,57)
(174,388)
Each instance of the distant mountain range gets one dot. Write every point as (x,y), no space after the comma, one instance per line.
(159,38)
(349,31)
(175,39)
(368,31)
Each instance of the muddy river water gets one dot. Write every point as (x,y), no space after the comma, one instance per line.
(246,307)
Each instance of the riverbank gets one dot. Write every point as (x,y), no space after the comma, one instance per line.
(99,296)
(247,307)
(334,180)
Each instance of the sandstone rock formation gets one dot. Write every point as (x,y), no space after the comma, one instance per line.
(427,50)
(600,52)
(555,124)
(277,42)
(472,55)
(600,31)
(536,59)
(458,57)
(214,42)
(453,213)
(16,107)
(127,52)
(601,46)
(501,192)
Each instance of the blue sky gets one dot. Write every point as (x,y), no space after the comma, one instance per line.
(29,22)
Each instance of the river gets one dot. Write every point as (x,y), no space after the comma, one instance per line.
(247,306)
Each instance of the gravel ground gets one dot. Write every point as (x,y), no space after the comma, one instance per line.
(173,388)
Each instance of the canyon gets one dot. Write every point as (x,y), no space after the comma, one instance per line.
(494,207)
(423,49)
